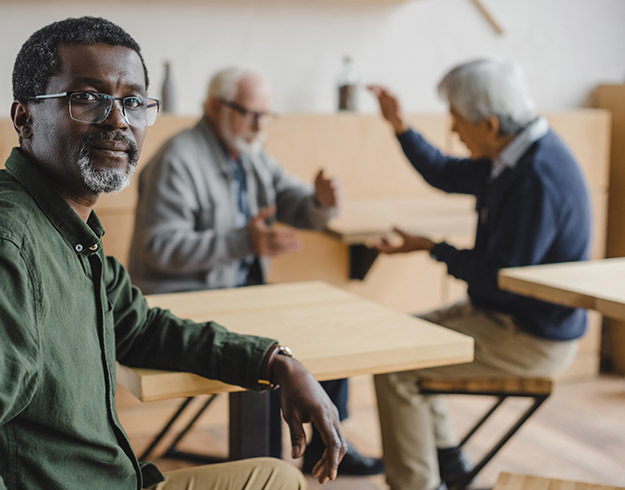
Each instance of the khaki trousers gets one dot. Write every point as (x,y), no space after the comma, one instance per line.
(247,474)
(413,425)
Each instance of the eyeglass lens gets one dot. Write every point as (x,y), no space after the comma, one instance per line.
(95,108)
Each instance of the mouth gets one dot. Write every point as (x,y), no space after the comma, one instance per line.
(112,149)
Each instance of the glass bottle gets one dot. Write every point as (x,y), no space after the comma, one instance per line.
(168,98)
(347,86)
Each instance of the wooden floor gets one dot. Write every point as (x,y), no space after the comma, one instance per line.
(579,434)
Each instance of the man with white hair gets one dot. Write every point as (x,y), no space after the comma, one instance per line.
(207,201)
(534,208)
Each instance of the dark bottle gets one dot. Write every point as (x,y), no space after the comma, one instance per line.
(347,85)
(168,97)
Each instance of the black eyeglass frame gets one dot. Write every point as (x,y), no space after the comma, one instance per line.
(148,102)
(245,112)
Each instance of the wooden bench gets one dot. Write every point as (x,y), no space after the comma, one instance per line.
(513,481)
(536,389)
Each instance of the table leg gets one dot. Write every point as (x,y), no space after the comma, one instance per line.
(249,425)
(361,259)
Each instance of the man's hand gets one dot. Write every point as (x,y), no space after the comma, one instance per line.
(389,105)
(410,243)
(303,400)
(267,240)
(327,191)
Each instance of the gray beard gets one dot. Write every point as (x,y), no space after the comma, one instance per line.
(108,179)
(238,143)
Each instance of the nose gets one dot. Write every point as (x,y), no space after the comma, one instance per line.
(116,117)
(260,121)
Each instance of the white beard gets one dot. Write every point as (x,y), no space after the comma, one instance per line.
(105,180)
(241,144)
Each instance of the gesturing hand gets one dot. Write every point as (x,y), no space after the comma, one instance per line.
(410,243)
(327,191)
(389,106)
(267,240)
(303,400)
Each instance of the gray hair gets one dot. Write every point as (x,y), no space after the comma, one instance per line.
(483,88)
(223,84)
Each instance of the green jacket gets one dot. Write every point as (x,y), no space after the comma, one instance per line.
(67,313)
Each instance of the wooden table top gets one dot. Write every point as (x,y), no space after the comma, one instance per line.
(596,285)
(334,333)
(367,219)
(512,481)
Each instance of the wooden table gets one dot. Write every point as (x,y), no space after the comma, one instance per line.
(364,221)
(332,332)
(596,285)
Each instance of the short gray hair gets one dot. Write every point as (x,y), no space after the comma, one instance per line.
(223,84)
(483,88)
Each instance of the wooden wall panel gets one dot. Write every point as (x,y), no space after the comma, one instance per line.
(612,98)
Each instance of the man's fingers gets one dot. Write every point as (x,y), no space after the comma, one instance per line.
(267,212)
(400,232)
(319,176)
(327,467)
(283,240)
(298,438)
(375,89)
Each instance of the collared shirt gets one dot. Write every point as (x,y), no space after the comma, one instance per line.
(67,313)
(241,203)
(513,152)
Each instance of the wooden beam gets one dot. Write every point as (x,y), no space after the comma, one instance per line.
(491,20)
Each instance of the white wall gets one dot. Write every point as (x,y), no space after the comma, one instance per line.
(565,46)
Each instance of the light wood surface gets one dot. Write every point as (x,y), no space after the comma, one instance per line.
(595,285)
(332,332)
(512,481)
(365,220)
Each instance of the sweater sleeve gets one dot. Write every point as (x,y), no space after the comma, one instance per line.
(454,175)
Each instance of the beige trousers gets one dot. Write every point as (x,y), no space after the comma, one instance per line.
(247,474)
(413,425)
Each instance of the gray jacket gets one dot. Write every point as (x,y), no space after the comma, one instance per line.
(185,236)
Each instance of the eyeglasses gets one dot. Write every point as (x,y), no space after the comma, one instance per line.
(94,107)
(250,116)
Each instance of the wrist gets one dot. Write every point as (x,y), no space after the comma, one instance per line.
(432,251)
(275,365)
(400,126)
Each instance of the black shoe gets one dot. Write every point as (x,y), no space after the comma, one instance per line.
(353,462)
(454,466)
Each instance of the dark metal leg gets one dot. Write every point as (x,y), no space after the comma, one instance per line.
(165,429)
(479,424)
(538,401)
(249,425)
(173,452)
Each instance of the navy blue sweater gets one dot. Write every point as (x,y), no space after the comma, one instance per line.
(537,213)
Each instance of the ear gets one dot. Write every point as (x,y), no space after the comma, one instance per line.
(492,125)
(22,120)
(211,108)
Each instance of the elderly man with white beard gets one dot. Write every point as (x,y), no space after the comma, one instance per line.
(207,201)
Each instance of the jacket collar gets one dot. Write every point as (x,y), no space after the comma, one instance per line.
(83,237)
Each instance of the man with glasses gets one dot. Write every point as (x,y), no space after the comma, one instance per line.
(207,201)
(68,312)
